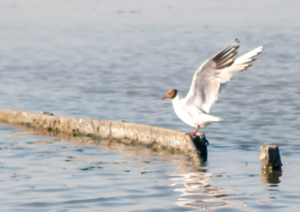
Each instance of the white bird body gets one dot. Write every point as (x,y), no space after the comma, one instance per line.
(207,84)
(194,117)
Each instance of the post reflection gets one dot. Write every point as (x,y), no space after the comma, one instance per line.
(270,176)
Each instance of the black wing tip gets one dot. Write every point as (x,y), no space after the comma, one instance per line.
(225,57)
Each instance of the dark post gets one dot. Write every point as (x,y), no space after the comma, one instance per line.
(270,157)
(270,164)
(201,145)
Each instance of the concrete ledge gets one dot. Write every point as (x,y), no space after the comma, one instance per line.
(105,129)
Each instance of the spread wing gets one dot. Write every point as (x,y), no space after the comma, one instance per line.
(214,72)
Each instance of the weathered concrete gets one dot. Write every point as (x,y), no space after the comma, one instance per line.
(107,129)
(270,157)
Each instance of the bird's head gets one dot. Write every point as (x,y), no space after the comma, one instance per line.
(171,94)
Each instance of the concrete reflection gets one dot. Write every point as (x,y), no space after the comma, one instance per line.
(192,181)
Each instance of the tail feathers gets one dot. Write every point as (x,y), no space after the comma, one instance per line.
(215,119)
(206,119)
(209,118)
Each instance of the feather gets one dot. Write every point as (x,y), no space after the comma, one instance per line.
(215,72)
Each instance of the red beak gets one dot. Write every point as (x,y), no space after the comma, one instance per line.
(164,97)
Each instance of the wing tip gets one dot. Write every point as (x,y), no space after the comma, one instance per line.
(260,49)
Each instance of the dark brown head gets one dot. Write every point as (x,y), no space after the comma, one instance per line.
(171,94)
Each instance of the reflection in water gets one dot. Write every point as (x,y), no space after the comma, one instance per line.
(193,182)
(122,171)
(270,176)
(198,191)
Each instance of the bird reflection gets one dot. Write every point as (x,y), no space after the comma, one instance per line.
(198,191)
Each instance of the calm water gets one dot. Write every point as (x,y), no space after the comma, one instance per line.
(114,60)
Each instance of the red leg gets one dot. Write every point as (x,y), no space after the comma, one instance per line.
(193,133)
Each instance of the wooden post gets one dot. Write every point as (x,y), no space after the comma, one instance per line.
(270,157)
(270,164)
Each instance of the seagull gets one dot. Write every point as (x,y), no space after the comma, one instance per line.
(208,81)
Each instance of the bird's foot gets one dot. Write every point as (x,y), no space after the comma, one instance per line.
(191,134)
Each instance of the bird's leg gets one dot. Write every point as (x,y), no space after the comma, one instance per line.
(193,133)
